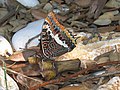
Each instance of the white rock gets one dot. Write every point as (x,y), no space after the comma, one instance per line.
(12,85)
(5,47)
(21,37)
(2,2)
(29,3)
(102,22)
(112,84)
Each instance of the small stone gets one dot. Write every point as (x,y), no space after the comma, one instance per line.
(113,3)
(106,18)
(69,1)
(112,84)
(48,7)
(103,60)
(3,12)
(28,3)
(56,11)
(102,22)
(116,18)
(109,14)
(5,47)
(21,37)
(64,8)
(114,12)
(114,56)
(119,22)
(83,3)
(44,1)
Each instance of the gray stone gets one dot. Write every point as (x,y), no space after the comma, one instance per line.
(103,60)
(114,56)
(48,7)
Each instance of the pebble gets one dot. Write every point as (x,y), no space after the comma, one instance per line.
(102,22)
(113,4)
(5,47)
(64,8)
(114,56)
(11,84)
(103,60)
(21,37)
(29,3)
(83,3)
(44,1)
(112,84)
(106,18)
(48,7)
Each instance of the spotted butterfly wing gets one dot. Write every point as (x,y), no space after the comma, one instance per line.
(56,40)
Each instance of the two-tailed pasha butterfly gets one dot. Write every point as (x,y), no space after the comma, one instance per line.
(55,39)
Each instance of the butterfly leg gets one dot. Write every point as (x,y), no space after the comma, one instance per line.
(26,45)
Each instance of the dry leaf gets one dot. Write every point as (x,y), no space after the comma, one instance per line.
(96,8)
(38,14)
(83,3)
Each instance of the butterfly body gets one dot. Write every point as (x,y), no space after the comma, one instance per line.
(56,40)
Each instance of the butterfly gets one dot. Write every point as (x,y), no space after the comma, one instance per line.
(55,38)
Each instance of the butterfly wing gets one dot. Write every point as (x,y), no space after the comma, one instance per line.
(55,39)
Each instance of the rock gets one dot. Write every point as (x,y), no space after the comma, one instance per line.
(119,22)
(69,1)
(103,60)
(44,1)
(29,3)
(114,56)
(2,2)
(116,18)
(11,84)
(102,22)
(91,50)
(64,8)
(5,47)
(83,3)
(109,15)
(56,11)
(3,12)
(106,18)
(113,12)
(48,7)
(112,84)
(113,3)
(21,37)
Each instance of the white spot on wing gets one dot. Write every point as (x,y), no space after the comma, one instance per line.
(56,37)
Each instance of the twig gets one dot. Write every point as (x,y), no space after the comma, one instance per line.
(17,66)
(98,76)
(111,9)
(89,77)
(98,84)
(73,75)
